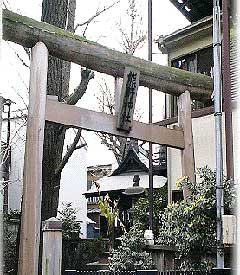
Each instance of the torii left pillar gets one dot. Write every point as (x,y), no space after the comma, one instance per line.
(32,174)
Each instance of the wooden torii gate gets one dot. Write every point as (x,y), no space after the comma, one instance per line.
(60,43)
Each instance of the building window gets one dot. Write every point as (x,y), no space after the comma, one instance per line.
(198,62)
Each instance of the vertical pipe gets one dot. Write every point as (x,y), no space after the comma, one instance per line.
(218,129)
(150,118)
(1,193)
(1,183)
(227,89)
(7,159)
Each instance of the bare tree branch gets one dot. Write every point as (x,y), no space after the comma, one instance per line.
(70,151)
(133,38)
(80,90)
(18,56)
(20,77)
(27,50)
(25,104)
(5,6)
(98,12)
(111,142)
(5,3)
(105,99)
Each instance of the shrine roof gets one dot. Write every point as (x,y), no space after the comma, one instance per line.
(130,163)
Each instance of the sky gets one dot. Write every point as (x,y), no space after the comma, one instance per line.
(104,30)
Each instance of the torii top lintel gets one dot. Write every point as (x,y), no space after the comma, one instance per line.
(67,46)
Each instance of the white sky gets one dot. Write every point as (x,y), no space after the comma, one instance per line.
(14,84)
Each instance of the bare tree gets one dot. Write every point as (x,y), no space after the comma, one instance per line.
(106,103)
(132,39)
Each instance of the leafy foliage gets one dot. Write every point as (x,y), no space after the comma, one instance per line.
(9,251)
(141,208)
(109,212)
(70,226)
(191,225)
(10,225)
(130,255)
(78,253)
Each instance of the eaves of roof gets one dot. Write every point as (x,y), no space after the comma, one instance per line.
(200,28)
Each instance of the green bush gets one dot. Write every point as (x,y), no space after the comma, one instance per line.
(78,253)
(130,255)
(71,228)
(191,225)
(11,221)
(141,208)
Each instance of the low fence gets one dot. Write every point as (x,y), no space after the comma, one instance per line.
(179,272)
(225,271)
(71,272)
(214,271)
(107,273)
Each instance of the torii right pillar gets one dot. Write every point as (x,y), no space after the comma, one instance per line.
(187,155)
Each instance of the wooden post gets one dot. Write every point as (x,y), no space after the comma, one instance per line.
(32,174)
(52,247)
(185,122)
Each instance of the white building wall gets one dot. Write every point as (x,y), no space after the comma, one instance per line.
(236,142)
(74,182)
(17,143)
(204,149)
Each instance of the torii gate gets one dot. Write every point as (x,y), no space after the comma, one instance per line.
(60,43)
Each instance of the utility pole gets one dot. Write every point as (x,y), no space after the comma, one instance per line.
(150,118)
(218,130)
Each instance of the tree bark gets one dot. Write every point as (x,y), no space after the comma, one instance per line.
(54,12)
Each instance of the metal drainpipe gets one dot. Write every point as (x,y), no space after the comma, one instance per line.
(1,187)
(150,118)
(7,165)
(218,129)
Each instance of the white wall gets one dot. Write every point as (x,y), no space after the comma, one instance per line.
(204,148)
(17,143)
(74,182)
(236,142)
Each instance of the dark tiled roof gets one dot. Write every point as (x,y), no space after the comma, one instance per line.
(130,163)
(194,10)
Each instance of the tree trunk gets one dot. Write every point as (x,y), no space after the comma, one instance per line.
(54,12)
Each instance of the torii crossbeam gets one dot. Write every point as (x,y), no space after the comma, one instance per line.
(67,46)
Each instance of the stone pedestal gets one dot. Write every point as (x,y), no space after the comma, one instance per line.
(163,256)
